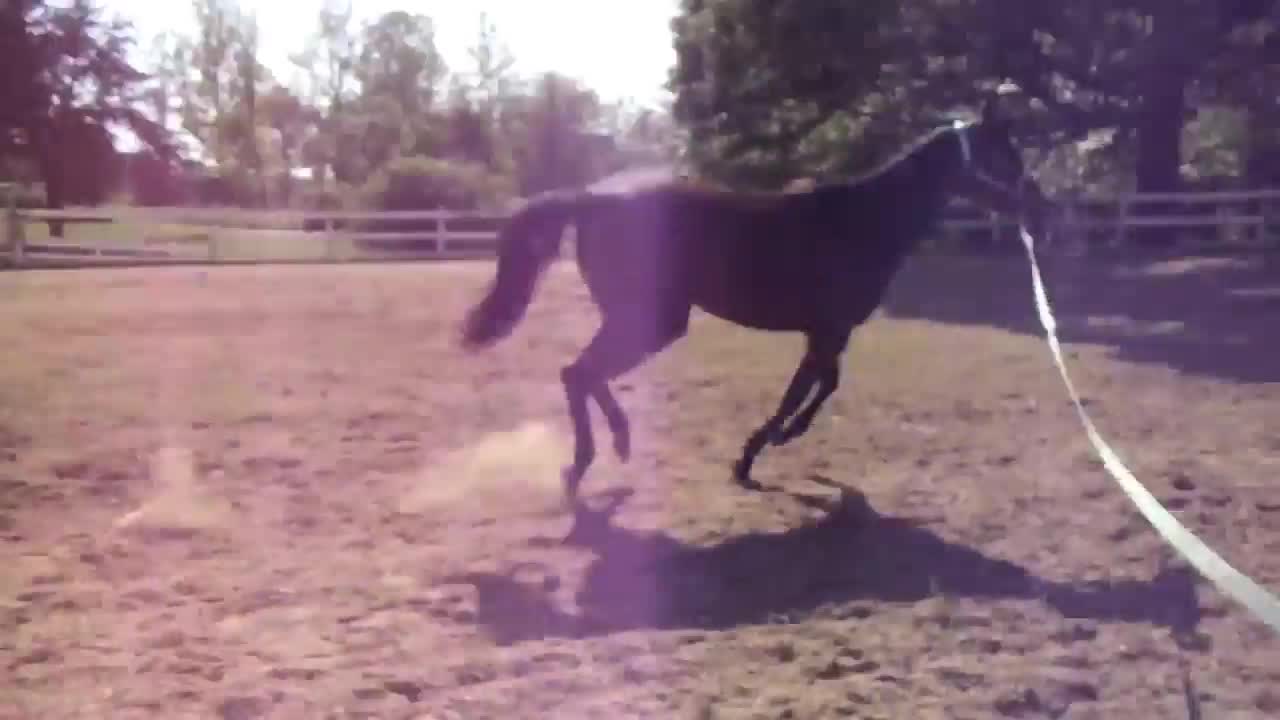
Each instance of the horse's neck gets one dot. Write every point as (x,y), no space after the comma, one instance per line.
(913,194)
(928,174)
(931,166)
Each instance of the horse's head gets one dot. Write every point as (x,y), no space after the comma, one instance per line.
(992,167)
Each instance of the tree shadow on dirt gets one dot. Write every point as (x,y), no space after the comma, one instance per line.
(650,580)
(1210,316)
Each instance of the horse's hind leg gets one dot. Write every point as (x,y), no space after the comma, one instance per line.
(617,347)
(584,446)
(619,425)
(821,367)
(802,383)
(828,379)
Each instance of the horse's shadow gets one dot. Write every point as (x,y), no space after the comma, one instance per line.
(650,580)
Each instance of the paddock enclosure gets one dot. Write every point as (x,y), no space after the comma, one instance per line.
(283,492)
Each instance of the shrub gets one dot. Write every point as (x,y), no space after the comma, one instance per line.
(327,197)
(154,181)
(422,183)
(29,197)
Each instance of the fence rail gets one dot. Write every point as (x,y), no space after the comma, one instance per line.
(175,234)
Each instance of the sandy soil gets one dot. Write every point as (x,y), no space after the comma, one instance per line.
(282,492)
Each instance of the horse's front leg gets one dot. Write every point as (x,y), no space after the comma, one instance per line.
(806,375)
(828,377)
(577,383)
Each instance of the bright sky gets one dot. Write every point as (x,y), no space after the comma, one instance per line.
(620,48)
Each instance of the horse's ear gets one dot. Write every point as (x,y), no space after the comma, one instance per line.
(994,116)
(990,111)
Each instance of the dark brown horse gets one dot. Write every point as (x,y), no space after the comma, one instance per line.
(816,262)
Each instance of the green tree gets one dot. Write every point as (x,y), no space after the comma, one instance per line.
(67,84)
(760,84)
(1131,65)
(645,136)
(483,116)
(398,71)
(329,62)
(420,183)
(398,59)
(771,89)
(292,122)
(1247,78)
(244,131)
(218,78)
(563,145)
(207,101)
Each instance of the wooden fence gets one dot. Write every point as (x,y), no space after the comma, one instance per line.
(127,235)
(1222,218)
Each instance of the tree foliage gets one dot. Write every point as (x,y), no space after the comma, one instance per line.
(67,85)
(772,90)
(409,183)
(371,111)
(760,84)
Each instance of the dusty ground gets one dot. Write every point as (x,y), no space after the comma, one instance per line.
(281,492)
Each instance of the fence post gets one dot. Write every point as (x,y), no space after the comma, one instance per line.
(1122,221)
(442,243)
(1066,228)
(17,233)
(1260,229)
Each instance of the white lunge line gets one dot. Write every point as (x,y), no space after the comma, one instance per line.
(1231,581)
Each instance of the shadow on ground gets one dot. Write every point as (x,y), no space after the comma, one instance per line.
(1210,316)
(649,580)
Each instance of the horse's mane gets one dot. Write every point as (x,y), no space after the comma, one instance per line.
(704,186)
(693,185)
(895,160)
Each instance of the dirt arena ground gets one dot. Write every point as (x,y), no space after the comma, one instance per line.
(281,492)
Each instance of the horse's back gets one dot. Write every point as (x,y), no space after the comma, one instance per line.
(761,260)
(754,259)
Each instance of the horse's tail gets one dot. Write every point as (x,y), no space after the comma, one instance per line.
(527,243)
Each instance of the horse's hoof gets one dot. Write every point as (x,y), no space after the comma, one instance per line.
(742,477)
(622,446)
(575,536)
(584,522)
(571,476)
